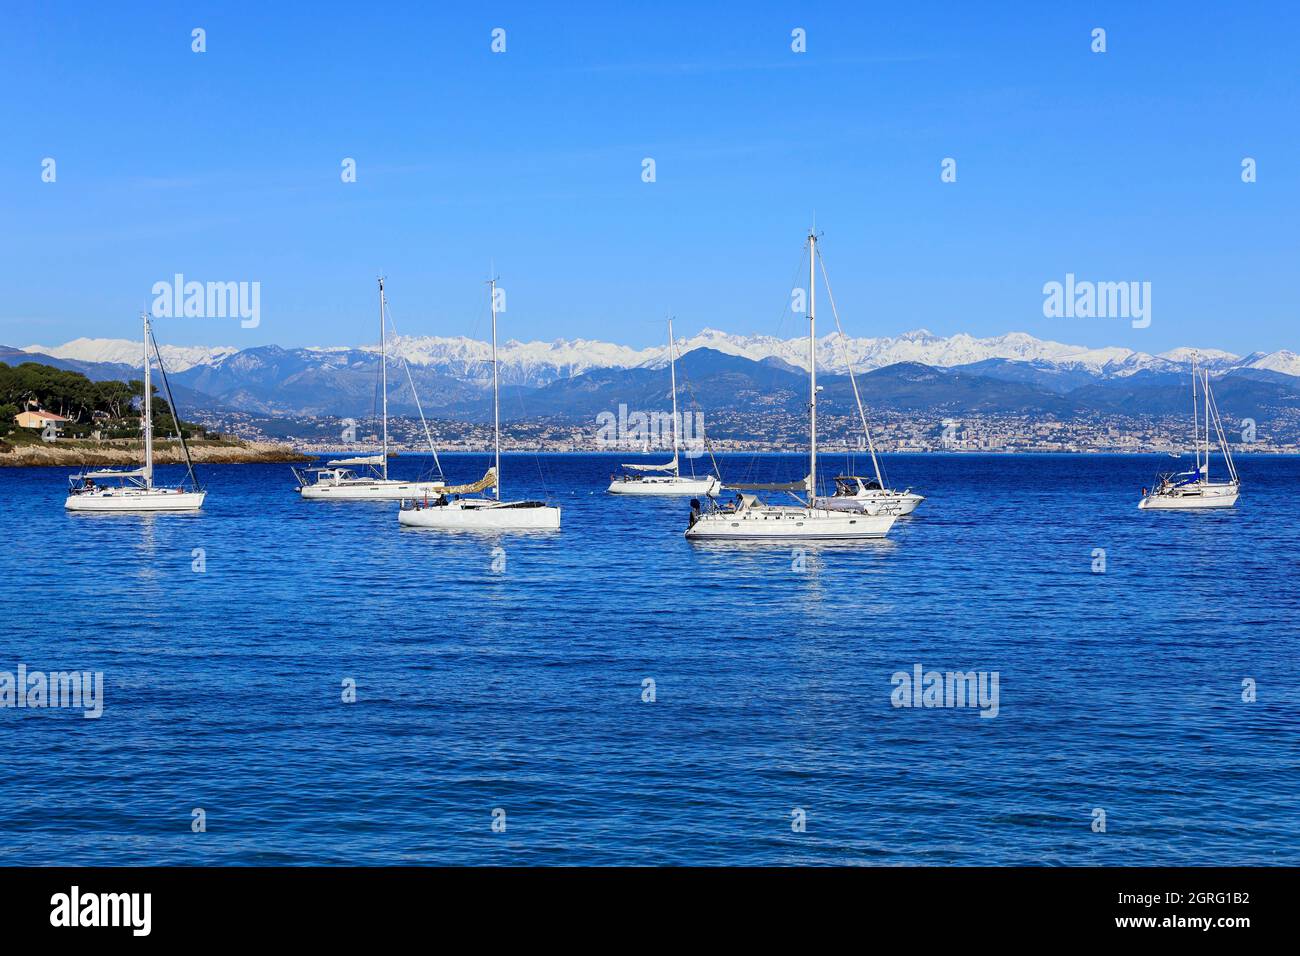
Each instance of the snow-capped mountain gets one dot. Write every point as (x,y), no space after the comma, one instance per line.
(522,363)
(569,381)
(539,363)
(1215,360)
(1283,360)
(126,352)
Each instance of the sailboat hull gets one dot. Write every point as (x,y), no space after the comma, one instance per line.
(136,499)
(783,523)
(370,490)
(1193,498)
(667,486)
(476,514)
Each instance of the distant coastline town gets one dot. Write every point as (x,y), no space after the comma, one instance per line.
(891,432)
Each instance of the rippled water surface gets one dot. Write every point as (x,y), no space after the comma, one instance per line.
(522,689)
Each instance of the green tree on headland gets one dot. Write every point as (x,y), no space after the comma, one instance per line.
(78,399)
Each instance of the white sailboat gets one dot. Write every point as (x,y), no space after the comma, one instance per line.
(119,489)
(666,479)
(365,478)
(1190,490)
(749,518)
(450,511)
(855,492)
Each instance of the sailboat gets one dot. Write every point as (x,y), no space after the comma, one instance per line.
(1194,489)
(666,479)
(451,511)
(119,489)
(856,492)
(749,518)
(365,478)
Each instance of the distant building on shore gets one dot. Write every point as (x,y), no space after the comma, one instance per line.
(39,419)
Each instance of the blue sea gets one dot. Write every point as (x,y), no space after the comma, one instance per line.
(503,679)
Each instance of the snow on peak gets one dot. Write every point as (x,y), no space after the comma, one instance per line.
(126,352)
(1216,360)
(538,363)
(1283,360)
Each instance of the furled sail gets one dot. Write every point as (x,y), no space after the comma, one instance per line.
(487,481)
(115,473)
(802,485)
(352,462)
(671,466)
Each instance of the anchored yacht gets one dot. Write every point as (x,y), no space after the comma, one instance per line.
(119,489)
(1193,489)
(666,479)
(855,493)
(750,518)
(450,511)
(341,479)
(852,492)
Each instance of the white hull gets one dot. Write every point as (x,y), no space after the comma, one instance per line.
(136,499)
(666,486)
(1193,497)
(477,514)
(371,490)
(784,522)
(899,502)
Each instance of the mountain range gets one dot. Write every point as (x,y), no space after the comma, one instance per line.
(538,363)
(576,379)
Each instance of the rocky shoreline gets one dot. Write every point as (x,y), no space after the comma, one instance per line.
(74,454)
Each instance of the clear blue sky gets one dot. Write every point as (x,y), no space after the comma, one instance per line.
(225,166)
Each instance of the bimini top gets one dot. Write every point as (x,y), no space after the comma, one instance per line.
(869,484)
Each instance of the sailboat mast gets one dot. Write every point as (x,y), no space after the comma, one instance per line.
(1196,420)
(672,365)
(812,366)
(496,391)
(1206,377)
(146,420)
(383,375)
